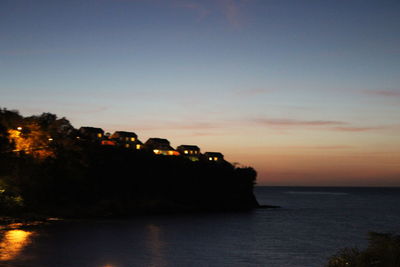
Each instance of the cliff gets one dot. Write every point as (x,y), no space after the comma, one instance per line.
(72,178)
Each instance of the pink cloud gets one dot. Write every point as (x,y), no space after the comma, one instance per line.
(252,92)
(333,147)
(358,129)
(232,11)
(387,93)
(196,7)
(199,134)
(293,122)
(38,52)
(199,126)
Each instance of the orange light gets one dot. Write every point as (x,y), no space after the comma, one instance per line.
(108,143)
(12,243)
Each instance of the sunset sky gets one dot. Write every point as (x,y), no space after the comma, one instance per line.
(307,92)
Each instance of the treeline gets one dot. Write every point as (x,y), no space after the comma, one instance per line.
(45,169)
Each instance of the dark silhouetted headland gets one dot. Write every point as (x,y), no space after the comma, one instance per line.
(49,167)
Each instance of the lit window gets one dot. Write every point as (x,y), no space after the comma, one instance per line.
(99,135)
(50,139)
(215,158)
(137,146)
(210,158)
(186,151)
(133,139)
(19,128)
(156,151)
(126,145)
(126,138)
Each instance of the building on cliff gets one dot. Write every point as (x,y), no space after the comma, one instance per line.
(160,146)
(191,152)
(91,134)
(214,156)
(127,139)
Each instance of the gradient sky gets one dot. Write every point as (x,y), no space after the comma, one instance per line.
(307,92)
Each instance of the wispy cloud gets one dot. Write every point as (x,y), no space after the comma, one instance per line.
(40,51)
(329,125)
(387,93)
(200,134)
(178,125)
(358,129)
(294,122)
(333,147)
(198,8)
(252,92)
(231,10)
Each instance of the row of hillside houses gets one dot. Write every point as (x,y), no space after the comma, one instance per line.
(159,146)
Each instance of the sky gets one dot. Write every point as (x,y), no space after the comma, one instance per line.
(307,92)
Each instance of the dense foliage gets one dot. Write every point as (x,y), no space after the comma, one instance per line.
(383,251)
(45,169)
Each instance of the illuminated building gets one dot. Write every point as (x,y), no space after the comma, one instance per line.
(191,152)
(127,140)
(91,133)
(214,156)
(160,146)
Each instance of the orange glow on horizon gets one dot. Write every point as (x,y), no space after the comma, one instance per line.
(324,168)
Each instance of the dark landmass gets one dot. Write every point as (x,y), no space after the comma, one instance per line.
(268,207)
(47,171)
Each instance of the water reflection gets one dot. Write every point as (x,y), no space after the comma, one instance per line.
(13,242)
(156,246)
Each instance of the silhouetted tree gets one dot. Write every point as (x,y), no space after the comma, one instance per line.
(383,251)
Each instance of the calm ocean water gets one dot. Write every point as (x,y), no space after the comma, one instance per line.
(312,224)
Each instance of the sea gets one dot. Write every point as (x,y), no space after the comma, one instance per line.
(312,224)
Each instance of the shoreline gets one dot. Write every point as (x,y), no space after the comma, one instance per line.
(24,220)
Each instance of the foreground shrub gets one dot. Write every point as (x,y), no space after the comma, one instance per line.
(383,251)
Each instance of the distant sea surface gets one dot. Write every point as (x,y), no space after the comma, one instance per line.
(313,223)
